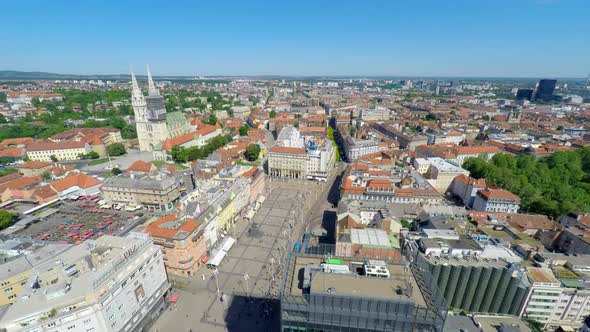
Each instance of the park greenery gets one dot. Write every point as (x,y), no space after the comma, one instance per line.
(7,171)
(553,185)
(94,108)
(89,155)
(181,154)
(116,149)
(252,152)
(6,219)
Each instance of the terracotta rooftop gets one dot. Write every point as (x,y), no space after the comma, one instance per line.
(178,140)
(21,182)
(283,149)
(166,227)
(79,179)
(498,194)
(141,166)
(12,152)
(17,141)
(49,145)
(34,164)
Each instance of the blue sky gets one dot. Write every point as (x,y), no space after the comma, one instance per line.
(502,38)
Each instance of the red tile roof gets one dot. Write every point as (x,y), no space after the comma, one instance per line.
(12,152)
(17,141)
(178,140)
(141,166)
(21,183)
(283,149)
(155,229)
(498,194)
(34,164)
(79,179)
(49,145)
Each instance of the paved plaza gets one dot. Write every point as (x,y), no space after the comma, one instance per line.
(248,279)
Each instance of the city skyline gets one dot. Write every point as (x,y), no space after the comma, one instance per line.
(426,39)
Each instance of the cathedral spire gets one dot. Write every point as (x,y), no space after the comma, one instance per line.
(134,84)
(152,90)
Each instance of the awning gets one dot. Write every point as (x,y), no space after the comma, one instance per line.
(173,299)
(216,260)
(204,259)
(229,242)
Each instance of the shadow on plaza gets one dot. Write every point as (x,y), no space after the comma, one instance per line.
(252,314)
(329,224)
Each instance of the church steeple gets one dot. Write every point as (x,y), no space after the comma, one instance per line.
(137,99)
(136,93)
(152,90)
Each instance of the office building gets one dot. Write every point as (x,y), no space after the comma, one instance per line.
(479,284)
(524,94)
(108,284)
(358,294)
(153,191)
(301,157)
(545,90)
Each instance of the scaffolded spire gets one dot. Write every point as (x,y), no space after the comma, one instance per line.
(152,90)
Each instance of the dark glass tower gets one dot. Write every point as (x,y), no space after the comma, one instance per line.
(545,90)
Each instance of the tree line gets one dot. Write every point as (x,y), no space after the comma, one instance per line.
(552,185)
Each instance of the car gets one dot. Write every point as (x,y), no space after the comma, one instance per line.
(44,236)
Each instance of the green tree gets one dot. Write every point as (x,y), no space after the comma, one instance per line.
(116,149)
(53,158)
(178,154)
(2,97)
(552,185)
(430,117)
(46,176)
(244,130)
(272,114)
(252,152)
(212,118)
(6,219)
(116,171)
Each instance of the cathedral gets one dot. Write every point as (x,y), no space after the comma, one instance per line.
(153,124)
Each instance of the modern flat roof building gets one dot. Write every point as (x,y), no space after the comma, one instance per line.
(339,294)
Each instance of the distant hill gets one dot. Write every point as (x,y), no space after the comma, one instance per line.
(36,75)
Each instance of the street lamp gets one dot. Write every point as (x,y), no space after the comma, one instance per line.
(215,274)
(246,278)
(272,267)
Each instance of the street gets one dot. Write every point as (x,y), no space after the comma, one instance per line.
(249,277)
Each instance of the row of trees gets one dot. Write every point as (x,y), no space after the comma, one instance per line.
(552,185)
(181,154)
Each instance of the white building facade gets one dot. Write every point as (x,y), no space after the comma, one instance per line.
(108,284)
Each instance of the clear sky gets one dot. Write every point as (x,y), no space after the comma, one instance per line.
(503,38)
